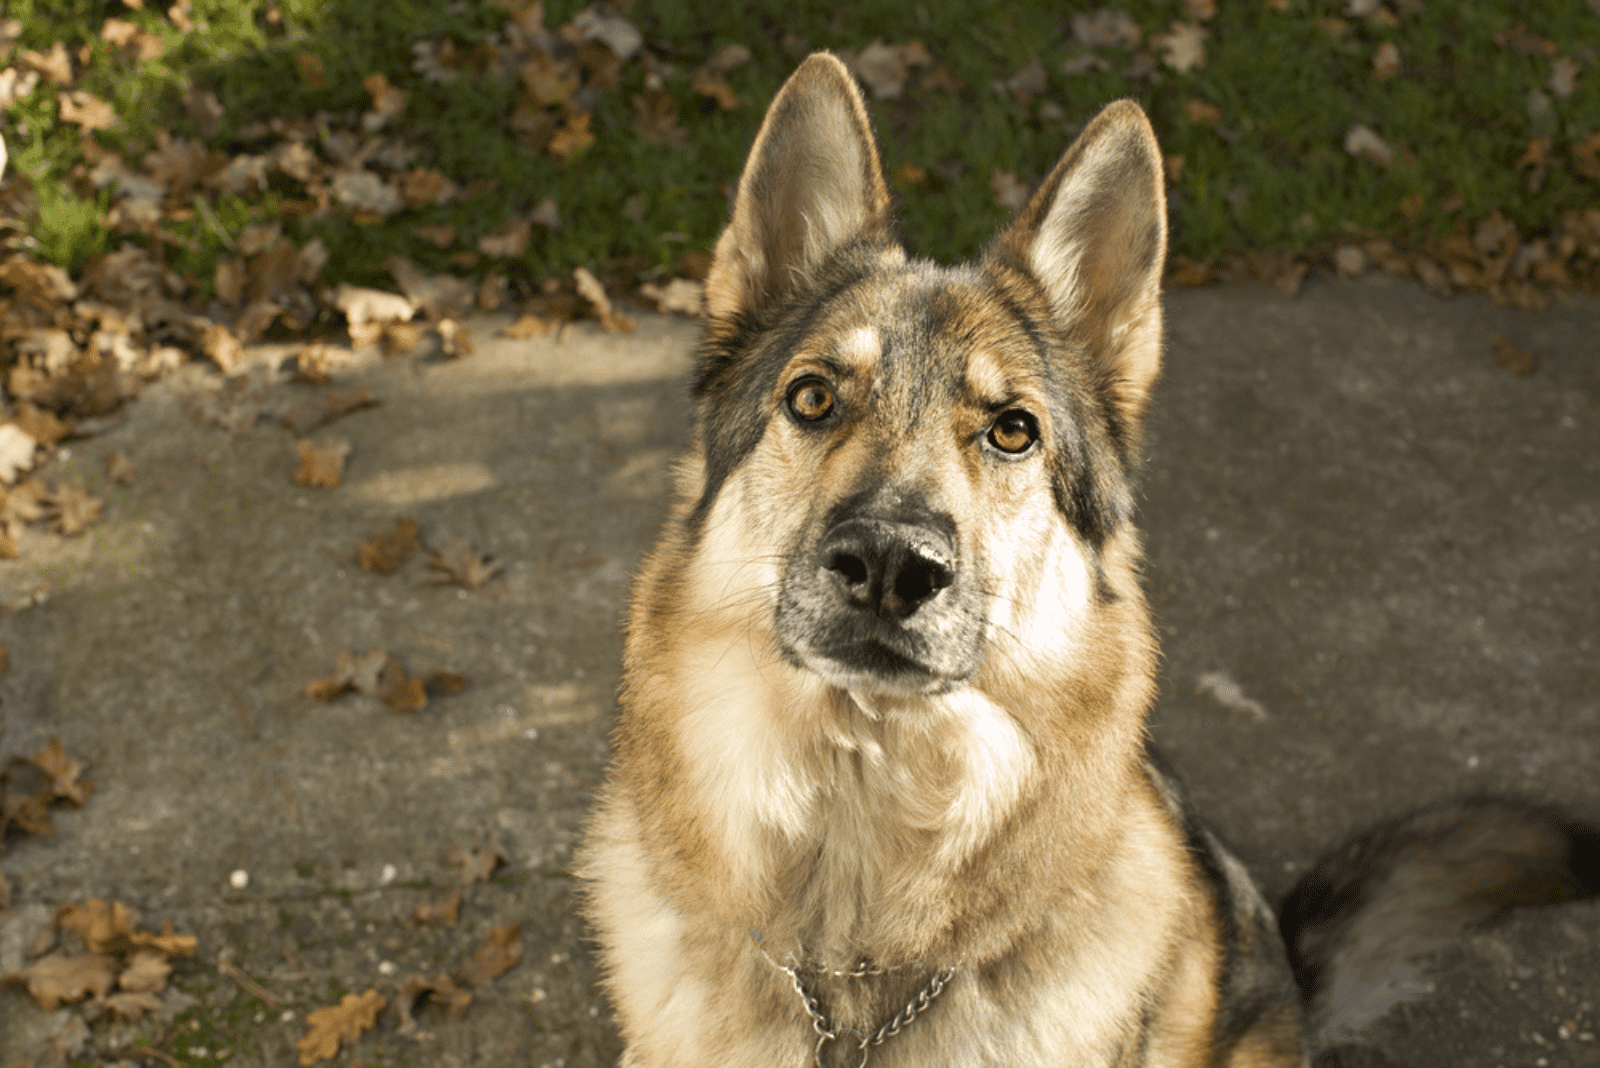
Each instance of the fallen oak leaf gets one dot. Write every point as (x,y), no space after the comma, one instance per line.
(334,404)
(72,509)
(350,673)
(399,692)
(321,465)
(498,954)
(146,973)
(525,327)
(56,980)
(109,927)
(1183,47)
(442,683)
(1364,142)
(682,295)
(63,772)
(441,915)
(131,1005)
(441,990)
(459,563)
(476,862)
(1586,157)
(338,1025)
(386,551)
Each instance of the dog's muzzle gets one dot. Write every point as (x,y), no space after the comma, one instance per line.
(879,602)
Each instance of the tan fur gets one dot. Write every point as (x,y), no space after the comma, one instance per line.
(1005,826)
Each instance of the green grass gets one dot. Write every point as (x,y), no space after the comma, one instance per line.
(1272,175)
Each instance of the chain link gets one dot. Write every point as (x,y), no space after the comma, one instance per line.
(901,1020)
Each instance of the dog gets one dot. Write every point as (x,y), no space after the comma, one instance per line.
(881,788)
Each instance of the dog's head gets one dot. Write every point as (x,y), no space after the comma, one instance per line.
(908,467)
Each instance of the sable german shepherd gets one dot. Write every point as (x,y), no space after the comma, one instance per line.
(881,784)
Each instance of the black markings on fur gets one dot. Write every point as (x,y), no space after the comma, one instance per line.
(1447,848)
(739,365)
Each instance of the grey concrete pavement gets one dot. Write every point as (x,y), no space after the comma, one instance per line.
(1374,554)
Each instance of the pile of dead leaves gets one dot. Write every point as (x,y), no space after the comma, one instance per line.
(29,788)
(111,963)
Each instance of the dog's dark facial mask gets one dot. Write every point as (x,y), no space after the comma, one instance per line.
(930,436)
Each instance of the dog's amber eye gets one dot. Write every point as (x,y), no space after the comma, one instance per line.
(1014,432)
(810,399)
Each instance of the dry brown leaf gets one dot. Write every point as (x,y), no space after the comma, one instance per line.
(423,186)
(681,295)
(64,773)
(131,1005)
(222,347)
(1183,47)
(146,973)
(455,339)
(655,119)
(1027,83)
(442,683)
(612,321)
(1106,28)
(55,65)
(525,327)
(387,102)
(321,464)
(1535,161)
(1514,358)
(337,1025)
(399,692)
(334,404)
(72,509)
(497,955)
(1564,77)
(83,108)
(16,451)
(56,980)
(508,242)
(1586,157)
(441,990)
(571,138)
(1364,142)
(459,563)
(386,551)
(1172,165)
(1200,10)
(475,863)
(40,424)
(1386,61)
(363,191)
(1518,39)
(443,914)
(369,310)
(350,673)
(1349,261)
(714,85)
(439,236)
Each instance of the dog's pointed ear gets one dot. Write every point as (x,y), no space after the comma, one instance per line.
(812,183)
(1095,237)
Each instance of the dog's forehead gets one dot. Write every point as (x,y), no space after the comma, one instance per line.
(931,327)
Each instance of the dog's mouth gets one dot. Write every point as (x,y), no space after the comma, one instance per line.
(875,665)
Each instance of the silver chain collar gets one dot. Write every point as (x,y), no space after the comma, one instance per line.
(863,1043)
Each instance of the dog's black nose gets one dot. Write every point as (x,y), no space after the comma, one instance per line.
(889,569)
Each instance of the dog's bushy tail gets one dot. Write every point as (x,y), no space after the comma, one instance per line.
(1358,922)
